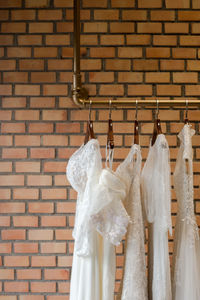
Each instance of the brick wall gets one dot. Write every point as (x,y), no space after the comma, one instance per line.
(130,48)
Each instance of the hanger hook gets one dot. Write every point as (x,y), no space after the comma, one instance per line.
(90,109)
(110,108)
(186,108)
(157,108)
(136,109)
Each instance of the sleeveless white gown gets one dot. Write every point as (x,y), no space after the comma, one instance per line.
(134,281)
(186,258)
(99,210)
(156,196)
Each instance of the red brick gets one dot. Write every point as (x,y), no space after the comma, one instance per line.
(177,4)
(56,140)
(7,65)
(53,221)
(92,64)
(27,167)
(39,77)
(95,27)
(129,52)
(25,194)
(5,115)
(189,40)
(43,287)
(25,247)
(45,52)
(50,14)
(59,274)
(53,115)
(9,102)
(102,52)
(4,15)
(157,52)
(30,39)
(155,77)
(24,140)
(58,39)
(43,261)
(14,153)
(40,234)
(63,288)
(25,14)
(169,90)
(149,27)
(153,4)
(10,3)
(109,39)
(17,234)
(42,153)
(12,207)
(14,27)
(89,39)
(32,90)
(43,102)
(31,64)
(6,40)
(25,221)
(184,53)
(5,248)
(6,140)
(97,3)
(36,3)
(140,90)
(39,180)
(35,207)
(19,52)
(69,127)
(65,207)
(53,247)
(8,297)
(185,77)
(192,90)
(193,65)
(111,90)
(145,65)
(64,27)
(162,15)
(60,64)
(51,194)
(172,65)
(101,76)
(189,15)
(66,102)
(65,261)
(134,15)
(29,274)
(16,261)
(41,127)
(138,39)
(55,298)
(5,167)
(118,64)
(63,3)
(16,287)
(60,180)
(176,27)
(8,180)
(6,274)
(4,221)
(5,194)
(130,77)
(125,27)
(15,77)
(54,166)
(26,114)
(5,89)
(41,27)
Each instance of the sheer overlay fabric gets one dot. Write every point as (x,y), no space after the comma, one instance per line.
(134,282)
(100,220)
(156,197)
(186,258)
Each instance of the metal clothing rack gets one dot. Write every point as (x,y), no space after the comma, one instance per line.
(80,94)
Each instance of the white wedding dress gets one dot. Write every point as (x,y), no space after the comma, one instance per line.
(186,258)
(156,196)
(134,281)
(100,220)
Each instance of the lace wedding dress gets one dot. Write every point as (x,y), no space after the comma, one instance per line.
(100,220)
(186,258)
(156,196)
(134,282)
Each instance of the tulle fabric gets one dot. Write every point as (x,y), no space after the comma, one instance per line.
(134,281)
(186,258)
(156,197)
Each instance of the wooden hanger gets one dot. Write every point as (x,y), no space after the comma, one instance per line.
(110,137)
(157,127)
(89,131)
(136,126)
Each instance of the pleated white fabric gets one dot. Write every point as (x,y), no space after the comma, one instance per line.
(156,196)
(134,281)
(100,222)
(186,258)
